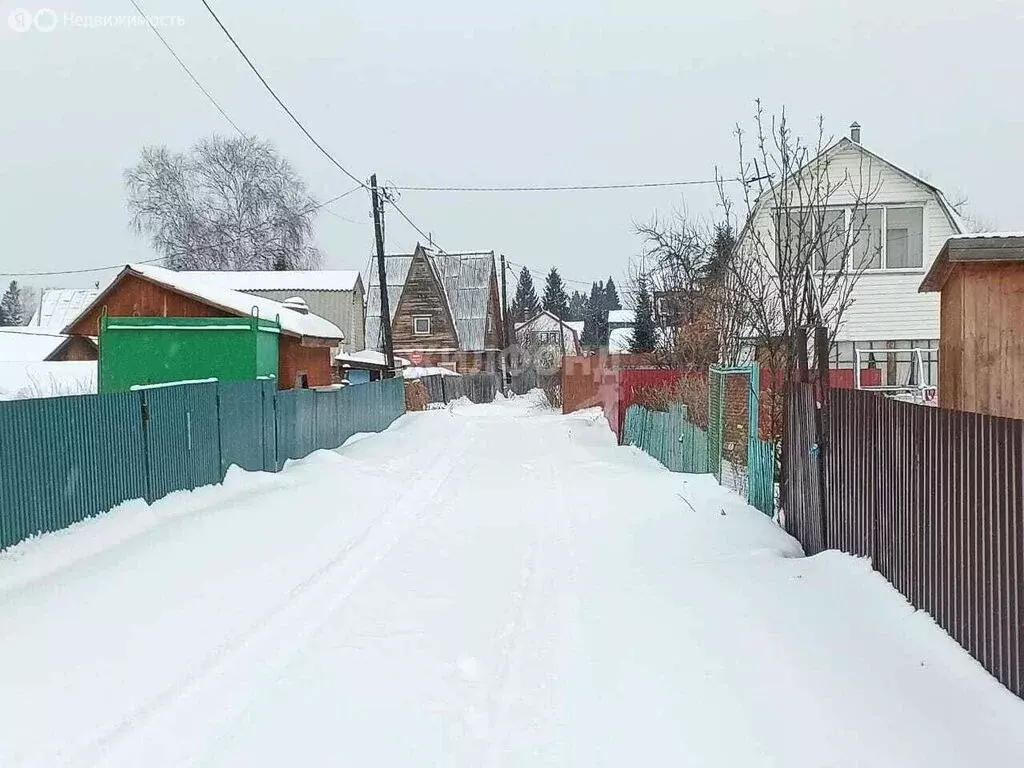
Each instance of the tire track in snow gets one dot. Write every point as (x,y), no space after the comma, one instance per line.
(278,622)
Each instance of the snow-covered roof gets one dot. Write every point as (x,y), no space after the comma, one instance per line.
(368,357)
(396,269)
(576,325)
(288,280)
(621,316)
(19,380)
(619,339)
(235,302)
(466,278)
(59,306)
(28,344)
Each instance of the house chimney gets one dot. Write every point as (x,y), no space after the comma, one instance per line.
(855,132)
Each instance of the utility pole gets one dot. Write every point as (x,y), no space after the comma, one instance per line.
(385,310)
(504,323)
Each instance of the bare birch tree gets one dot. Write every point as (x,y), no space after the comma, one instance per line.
(810,233)
(227,203)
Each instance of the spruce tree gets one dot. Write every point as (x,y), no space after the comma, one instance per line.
(611,296)
(556,301)
(595,324)
(578,306)
(525,304)
(12,311)
(644,332)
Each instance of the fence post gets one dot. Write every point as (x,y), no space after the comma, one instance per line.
(821,422)
(144,416)
(220,436)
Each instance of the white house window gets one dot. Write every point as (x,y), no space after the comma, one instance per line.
(421,326)
(904,238)
(866,239)
(879,238)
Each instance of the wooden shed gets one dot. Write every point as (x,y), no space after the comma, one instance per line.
(139,290)
(981,343)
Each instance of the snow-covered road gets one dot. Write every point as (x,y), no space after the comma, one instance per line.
(480,586)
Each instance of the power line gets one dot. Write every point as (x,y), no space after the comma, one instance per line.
(569,187)
(188,71)
(208,246)
(539,274)
(430,240)
(277,98)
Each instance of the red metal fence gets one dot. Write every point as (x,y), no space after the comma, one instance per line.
(934,497)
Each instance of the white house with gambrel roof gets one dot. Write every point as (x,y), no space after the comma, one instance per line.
(908,220)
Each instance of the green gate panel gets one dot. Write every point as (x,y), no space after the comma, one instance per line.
(761,475)
(182,438)
(64,459)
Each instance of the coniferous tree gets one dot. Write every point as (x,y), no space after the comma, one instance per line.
(595,324)
(12,310)
(644,332)
(556,301)
(525,304)
(578,306)
(611,296)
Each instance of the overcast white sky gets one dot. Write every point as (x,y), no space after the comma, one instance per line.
(461,92)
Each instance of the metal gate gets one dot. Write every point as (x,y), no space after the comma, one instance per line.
(760,454)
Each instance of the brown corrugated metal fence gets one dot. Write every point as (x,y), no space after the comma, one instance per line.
(935,498)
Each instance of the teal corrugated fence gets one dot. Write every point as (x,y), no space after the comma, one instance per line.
(670,437)
(64,459)
(182,438)
(310,420)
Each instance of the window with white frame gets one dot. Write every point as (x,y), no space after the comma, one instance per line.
(421,325)
(884,237)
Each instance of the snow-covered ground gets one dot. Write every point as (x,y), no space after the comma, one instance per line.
(481,585)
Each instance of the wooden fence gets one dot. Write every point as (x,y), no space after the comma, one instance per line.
(934,497)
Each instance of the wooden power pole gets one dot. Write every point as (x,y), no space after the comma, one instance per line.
(385,309)
(506,376)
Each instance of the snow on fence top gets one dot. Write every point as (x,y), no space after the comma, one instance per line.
(193,284)
(288,280)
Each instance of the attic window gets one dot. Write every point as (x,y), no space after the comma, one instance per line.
(421,326)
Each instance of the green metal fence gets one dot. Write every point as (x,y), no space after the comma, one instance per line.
(309,420)
(63,459)
(670,437)
(681,446)
(67,458)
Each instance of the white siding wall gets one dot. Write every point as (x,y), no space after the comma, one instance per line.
(886,305)
(546,323)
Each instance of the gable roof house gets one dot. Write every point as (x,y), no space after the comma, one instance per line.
(542,330)
(444,309)
(336,295)
(907,221)
(306,340)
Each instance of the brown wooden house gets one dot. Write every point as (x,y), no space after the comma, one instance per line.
(444,308)
(304,352)
(981,344)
